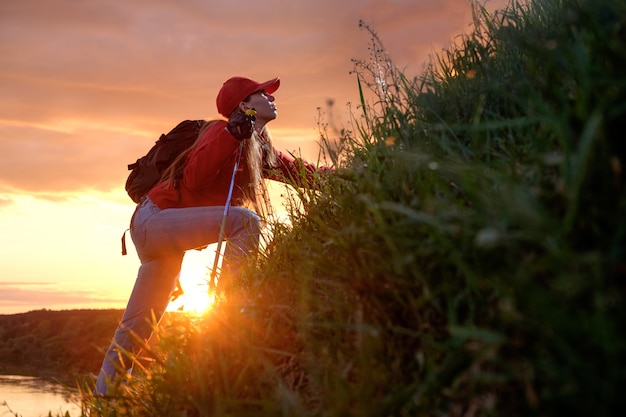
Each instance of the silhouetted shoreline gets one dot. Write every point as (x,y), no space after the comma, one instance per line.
(53,344)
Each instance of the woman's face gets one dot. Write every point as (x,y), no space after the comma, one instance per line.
(264,105)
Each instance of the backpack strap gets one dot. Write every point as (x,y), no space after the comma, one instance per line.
(132,220)
(124,242)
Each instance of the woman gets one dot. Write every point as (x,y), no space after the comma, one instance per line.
(176,216)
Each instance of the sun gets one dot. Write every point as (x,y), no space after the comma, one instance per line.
(194,279)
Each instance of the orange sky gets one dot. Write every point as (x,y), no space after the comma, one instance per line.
(87,86)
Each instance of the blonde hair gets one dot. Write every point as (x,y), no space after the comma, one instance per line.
(174,172)
(259,155)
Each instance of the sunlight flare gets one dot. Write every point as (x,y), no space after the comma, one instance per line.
(194,279)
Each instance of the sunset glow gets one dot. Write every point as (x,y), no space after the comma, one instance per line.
(194,278)
(87,87)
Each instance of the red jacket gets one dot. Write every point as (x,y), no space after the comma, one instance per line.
(208,172)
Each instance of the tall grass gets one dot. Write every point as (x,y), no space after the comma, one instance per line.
(467,259)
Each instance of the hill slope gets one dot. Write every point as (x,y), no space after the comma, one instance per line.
(55,343)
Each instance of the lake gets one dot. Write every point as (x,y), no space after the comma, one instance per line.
(34,397)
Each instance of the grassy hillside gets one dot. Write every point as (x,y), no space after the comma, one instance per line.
(467,259)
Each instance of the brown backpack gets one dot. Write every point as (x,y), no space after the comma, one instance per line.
(148,170)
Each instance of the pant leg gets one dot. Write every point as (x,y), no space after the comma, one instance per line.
(174,230)
(155,282)
(161,237)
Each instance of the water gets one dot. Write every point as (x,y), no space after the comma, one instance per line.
(34,397)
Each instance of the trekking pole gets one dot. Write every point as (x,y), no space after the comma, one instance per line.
(220,238)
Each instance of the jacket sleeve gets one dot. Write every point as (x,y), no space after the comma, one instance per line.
(213,153)
(294,171)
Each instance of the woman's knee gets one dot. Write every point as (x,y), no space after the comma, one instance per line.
(244,220)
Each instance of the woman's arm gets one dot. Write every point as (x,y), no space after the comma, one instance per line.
(293,171)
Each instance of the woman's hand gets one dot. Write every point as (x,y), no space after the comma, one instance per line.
(241,125)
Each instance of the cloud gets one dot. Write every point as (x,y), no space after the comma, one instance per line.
(21,296)
(86,87)
(5,201)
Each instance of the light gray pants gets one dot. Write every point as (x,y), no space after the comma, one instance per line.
(161,238)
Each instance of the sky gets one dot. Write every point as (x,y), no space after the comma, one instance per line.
(86,87)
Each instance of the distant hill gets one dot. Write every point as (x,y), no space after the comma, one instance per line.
(56,344)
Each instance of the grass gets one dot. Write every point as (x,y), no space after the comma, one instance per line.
(467,259)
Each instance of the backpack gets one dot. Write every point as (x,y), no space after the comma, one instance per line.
(148,170)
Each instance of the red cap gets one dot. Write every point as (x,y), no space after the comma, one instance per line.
(237,89)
